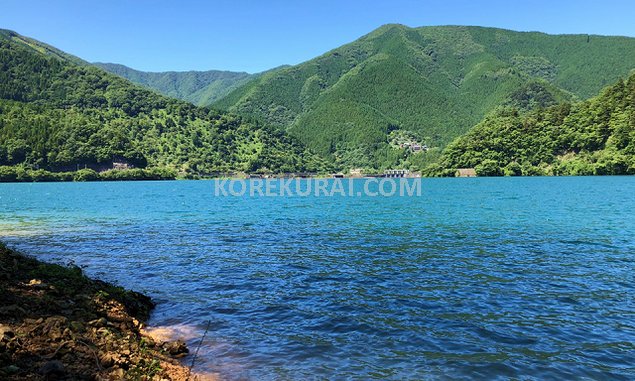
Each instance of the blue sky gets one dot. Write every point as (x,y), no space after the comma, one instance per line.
(246,35)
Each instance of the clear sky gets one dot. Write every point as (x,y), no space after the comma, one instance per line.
(250,35)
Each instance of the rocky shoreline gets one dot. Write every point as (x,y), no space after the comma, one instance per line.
(57,324)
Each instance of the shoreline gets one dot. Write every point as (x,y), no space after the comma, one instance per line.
(246,177)
(56,323)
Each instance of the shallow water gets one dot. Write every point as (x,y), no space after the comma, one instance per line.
(529,278)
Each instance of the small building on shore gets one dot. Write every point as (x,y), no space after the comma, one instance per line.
(121,165)
(465,172)
(304,175)
(396,173)
(357,172)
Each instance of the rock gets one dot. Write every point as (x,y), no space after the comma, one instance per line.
(103,331)
(176,349)
(4,273)
(119,360)
(14,344)
(148,342)
(38,284)
(56,320)
(45,331)
(107,360)
(6,333)
(98,323)
(55,334)
(77,326)
(117,317)
(55,327)
(11,369)
(12,310)
(52,369)
(117,374)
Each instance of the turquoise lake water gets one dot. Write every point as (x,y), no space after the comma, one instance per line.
(522,278)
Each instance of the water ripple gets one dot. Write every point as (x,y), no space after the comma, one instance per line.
(488,279)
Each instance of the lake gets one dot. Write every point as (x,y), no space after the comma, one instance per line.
(526,278)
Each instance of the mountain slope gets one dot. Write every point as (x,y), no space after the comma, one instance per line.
(432,82)
(594,137)
(199,87)
(39,47)
(57,115)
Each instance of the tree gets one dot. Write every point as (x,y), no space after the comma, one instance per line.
(488,167)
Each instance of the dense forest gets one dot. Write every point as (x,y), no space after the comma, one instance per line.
(201,88)
(380,102)
(594,137)
(432,82)
(59,115)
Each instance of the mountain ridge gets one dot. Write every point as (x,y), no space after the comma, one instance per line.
(198,87)
(361,105)
(591,137)
(58,115)
(40,46)
(436,82)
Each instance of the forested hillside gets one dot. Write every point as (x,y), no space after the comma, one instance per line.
(60,116)
(199,87)
(432,83)
(39,47)
(393,99)
(594,137)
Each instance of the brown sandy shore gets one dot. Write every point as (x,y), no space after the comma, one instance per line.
(57,324)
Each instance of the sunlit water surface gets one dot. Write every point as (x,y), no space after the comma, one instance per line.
(527,278)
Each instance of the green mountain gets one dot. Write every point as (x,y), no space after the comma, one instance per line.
(199,87)
(39,47)
(431,84)
(594,137)
(58,115)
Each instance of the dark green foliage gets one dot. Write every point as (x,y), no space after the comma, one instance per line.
(21,174)
(60,116)
(488,167)
(138,174)
(595,137)
(436,82)
(535,94)
(85,175)
(199,87)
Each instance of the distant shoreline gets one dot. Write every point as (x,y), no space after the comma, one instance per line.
(20,175)
(264,177)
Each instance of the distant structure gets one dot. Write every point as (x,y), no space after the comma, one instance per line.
(121,165)
(357,172)
(396,173)
(414,147)
(465,172)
